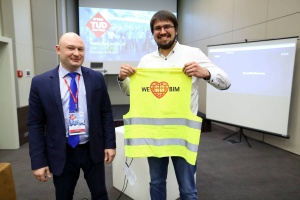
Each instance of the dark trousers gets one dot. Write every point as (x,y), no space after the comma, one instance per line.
(94,174)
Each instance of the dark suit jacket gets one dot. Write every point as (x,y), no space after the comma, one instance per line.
(47,132)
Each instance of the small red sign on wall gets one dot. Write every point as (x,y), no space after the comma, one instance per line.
(20,73)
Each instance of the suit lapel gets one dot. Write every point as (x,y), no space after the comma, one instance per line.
(55,87)
(88,88)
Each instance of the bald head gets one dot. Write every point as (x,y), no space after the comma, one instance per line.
(71,51)
(69,37)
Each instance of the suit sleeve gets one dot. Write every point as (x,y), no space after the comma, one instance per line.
(107,119)
(36,128)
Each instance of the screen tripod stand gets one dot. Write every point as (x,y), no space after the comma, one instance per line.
(242,135)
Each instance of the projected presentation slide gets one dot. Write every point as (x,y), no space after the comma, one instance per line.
(259,70)
(115,34)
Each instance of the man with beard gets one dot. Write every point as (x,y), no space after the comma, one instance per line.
(195,64)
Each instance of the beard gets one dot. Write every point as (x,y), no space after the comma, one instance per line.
(166,45)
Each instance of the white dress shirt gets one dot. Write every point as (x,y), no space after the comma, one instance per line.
(65,96)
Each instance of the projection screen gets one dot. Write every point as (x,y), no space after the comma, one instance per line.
(262,75)
(117,32)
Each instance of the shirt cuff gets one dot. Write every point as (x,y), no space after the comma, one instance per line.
(121,83)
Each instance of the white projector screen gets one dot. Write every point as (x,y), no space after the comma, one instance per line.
(117,32)
(261,76)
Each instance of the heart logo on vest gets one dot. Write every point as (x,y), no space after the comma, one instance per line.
(159,89)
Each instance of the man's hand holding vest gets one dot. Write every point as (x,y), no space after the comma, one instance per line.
(194,69)
(125,71)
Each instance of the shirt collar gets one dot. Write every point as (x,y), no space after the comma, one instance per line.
(63,72)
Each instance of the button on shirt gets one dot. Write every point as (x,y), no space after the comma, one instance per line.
(178,57)
(65,95)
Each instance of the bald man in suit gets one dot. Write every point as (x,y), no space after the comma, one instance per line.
(50,123)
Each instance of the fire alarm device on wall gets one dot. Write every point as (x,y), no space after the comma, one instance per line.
(20,73)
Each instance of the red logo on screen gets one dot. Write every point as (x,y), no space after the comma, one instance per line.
(159,89)
(98,25)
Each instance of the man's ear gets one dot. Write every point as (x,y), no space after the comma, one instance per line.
(57,48)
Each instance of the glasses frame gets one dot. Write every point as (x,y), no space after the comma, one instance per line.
(166,27)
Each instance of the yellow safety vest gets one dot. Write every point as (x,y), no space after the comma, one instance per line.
(160,122)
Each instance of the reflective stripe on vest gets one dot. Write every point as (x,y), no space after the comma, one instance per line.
(160,122)
(163,121)
(161,142)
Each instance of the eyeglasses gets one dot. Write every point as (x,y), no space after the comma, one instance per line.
(165,27)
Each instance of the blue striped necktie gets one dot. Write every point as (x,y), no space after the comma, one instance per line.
(73,140)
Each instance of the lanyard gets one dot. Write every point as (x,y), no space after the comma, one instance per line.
(74,98)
